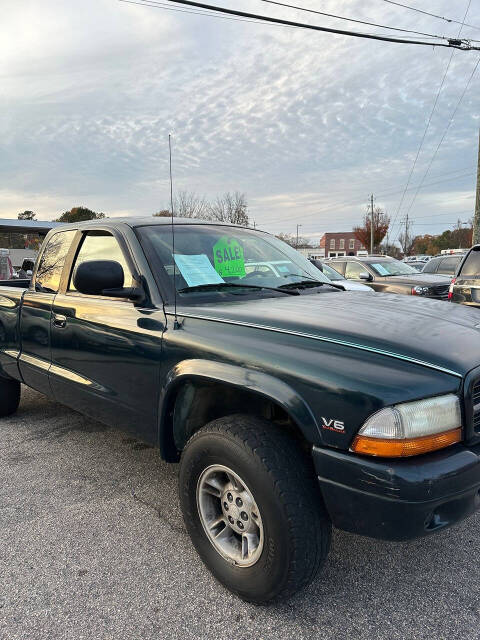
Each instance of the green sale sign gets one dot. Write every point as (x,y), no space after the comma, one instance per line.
(228,258)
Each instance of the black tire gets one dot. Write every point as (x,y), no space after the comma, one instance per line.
(9,397)
(281,478)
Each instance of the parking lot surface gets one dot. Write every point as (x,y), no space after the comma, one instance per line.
(93,546)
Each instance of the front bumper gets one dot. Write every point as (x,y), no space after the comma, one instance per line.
(399,499)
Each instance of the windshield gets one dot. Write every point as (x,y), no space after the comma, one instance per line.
(392,268)
(208,255)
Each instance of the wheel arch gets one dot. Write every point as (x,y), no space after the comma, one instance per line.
(197,391)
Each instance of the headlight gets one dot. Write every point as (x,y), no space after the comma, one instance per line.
(411,428)
(420,291)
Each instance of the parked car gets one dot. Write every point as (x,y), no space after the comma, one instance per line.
(417,258)
(444,265)
(388,275)
(416,264)
(335,276)
(291,405)
(465,286)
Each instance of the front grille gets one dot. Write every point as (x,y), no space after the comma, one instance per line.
(476,406)
(441,291)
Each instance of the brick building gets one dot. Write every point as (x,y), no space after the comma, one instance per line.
(340,244)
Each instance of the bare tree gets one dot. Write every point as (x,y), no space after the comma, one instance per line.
(291,239)
(231,207)
(407,242)
(187,204)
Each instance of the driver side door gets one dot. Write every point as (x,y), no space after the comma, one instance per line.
(106,352)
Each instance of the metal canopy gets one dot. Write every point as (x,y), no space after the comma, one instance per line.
(27,226)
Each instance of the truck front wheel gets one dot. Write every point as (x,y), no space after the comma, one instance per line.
(9,396)
(252,508)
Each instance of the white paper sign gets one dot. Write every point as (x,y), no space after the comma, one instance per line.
(380,268)
(197,269)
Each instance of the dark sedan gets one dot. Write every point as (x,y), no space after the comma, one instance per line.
(388,275)
(443,265)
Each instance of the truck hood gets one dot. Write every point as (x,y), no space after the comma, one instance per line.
(432,333)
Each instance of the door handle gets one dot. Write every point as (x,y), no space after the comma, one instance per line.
(59,321)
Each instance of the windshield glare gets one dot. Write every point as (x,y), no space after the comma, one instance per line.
(392,268)
(210,254)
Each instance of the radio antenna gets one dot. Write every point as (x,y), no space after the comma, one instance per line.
(175,324)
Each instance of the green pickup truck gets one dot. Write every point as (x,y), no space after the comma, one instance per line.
(291,404)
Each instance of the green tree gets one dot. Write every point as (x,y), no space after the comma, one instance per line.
(26,215)
(79,214)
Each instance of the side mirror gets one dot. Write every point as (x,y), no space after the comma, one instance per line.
(104,278)
(93,276)
(365,276)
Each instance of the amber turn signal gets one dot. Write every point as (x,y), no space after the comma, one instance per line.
(390,448)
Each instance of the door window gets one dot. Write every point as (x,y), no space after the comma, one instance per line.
(339,266)
(52,261)
(471,267)
(353,270)
(100,245)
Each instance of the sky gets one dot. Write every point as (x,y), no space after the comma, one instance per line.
(306,124)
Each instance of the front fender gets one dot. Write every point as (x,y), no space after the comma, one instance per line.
(247,379)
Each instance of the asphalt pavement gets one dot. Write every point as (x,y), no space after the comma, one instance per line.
(92,545)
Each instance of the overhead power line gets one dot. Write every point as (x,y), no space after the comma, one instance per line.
(359,199)
(428,123)
(455,43)
(444,134)
(209,14)
(432,15)
(332,15)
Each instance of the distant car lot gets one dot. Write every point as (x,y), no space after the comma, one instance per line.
(93,546)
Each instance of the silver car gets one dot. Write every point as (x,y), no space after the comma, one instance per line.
(334,276)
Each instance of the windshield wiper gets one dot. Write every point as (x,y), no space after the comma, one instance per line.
(310,283)
(222,285)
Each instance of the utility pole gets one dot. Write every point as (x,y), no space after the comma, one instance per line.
(371,224)
(296,243)
(476,217)
(405,235)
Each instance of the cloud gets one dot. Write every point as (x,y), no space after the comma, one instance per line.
(306,124)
